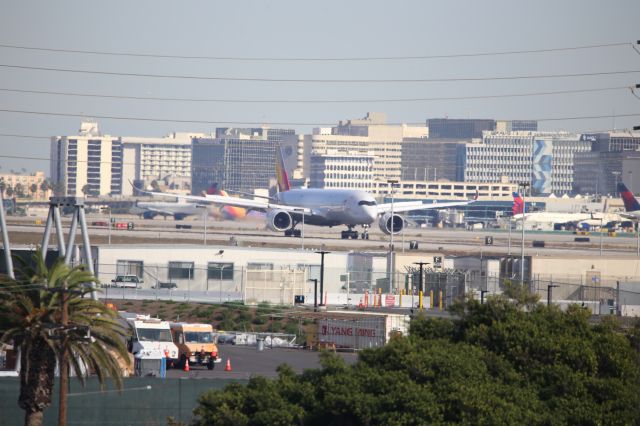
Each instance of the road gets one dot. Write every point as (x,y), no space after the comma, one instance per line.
(246,361)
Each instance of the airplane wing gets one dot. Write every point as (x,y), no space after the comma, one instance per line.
(232,201)
(406,206)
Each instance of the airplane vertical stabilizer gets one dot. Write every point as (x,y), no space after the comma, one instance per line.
(630,202)
(281,172)
(518,204)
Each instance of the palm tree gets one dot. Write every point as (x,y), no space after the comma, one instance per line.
(33,189)
(89,337)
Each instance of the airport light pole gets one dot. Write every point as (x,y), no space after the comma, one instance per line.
(204,219)
(421,264)
(391,182)
(524,186)
(220,290)
(302,230)
(600,235)
(322,253)
(315,293)
(550,293)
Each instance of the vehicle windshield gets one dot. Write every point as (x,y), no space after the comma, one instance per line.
(367,203)
(153,335)
(198,337)
(127,279)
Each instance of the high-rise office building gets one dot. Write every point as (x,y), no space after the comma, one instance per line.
(613,158)
(458,128)
(544,160)
(338,169)
(370,135)
(103,164)
(241,160)
(431,159)
(87,164)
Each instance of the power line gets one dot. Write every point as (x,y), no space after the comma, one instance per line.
(174,120)
(315,59)
(219,100)
(320,81)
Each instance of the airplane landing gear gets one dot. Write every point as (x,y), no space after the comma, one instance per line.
(350,233)
(365,233)
(292,233)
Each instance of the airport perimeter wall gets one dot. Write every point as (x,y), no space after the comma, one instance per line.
(144,401)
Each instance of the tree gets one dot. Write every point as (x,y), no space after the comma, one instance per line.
(86,190)
(19,189)
(59,189)
(31,316)
(33,189)
(3,186)
(45,185)
(507,361)
(9,191)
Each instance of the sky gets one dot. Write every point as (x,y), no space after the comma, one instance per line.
(450,34)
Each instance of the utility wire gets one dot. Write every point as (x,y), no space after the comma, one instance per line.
(311,101)
(169,120)
(315,59)
(321,81)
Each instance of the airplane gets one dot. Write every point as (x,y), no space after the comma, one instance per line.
(578,220)
(181,209)
(631,205)
(323,207)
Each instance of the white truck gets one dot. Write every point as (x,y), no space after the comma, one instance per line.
(151,338)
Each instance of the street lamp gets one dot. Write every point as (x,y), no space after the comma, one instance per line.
(322,253)
(524,186)
(204,218)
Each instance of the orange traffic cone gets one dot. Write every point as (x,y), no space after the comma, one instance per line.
(228,366)
(186,364)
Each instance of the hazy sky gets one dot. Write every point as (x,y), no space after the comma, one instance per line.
(304,29)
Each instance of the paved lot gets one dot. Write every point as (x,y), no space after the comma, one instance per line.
(246,361)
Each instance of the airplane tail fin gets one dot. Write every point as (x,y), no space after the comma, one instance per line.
(518,204)
(630,202)
(281,172)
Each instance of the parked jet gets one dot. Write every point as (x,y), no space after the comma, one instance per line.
(323,207)
(181,209)
(572,220)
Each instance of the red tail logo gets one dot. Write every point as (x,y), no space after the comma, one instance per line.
(518,204)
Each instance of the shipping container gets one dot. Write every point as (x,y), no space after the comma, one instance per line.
(359,330)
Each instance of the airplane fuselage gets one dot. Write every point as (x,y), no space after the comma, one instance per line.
(332,207)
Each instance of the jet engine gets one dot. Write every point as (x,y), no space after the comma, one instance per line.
(389,222)
(279,220)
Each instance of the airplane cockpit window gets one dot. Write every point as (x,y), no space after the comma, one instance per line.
(366,203)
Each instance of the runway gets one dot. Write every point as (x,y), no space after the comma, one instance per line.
(25,230)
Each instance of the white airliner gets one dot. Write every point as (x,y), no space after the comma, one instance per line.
(323,207)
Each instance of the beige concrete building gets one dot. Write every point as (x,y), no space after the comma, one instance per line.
(370,135)
(25,181)
(96,164)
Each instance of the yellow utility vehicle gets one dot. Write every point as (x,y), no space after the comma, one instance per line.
(197,343)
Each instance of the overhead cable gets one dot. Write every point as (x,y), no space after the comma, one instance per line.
(312,101)
(320,81)
(315,59)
